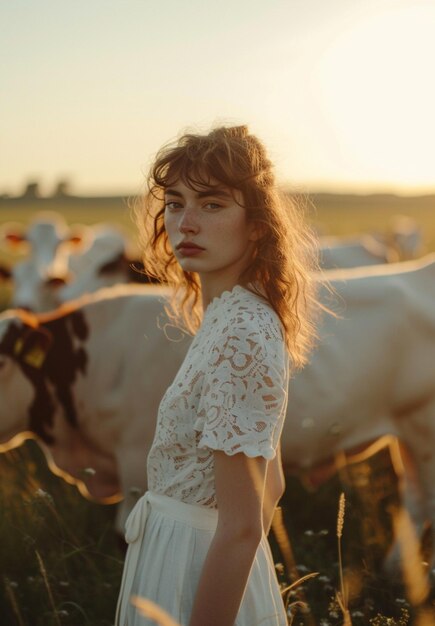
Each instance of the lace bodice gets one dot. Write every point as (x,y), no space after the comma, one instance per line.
(229,394)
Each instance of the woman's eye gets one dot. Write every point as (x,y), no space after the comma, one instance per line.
(213,205)
(172,205)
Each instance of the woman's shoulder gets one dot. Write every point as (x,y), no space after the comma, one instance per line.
(243,312)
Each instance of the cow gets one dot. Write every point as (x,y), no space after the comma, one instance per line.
(337,252)
(76,380)
(402,243)
(48,242)
(54,272)
(103,263)
(48,239)
(371,374)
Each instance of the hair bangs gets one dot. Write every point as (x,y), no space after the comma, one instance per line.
(198,167)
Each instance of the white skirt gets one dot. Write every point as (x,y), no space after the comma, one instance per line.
(168,543)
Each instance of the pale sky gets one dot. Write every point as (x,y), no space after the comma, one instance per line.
(341,91)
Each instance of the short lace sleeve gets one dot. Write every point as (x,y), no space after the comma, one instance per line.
(244,393)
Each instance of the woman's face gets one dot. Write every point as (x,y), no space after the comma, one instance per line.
(208,231)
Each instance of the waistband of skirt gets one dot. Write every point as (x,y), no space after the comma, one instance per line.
(195,515)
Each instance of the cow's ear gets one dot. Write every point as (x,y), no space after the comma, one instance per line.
(76,239)
(33,346)
(14,238)
(80,234)
(12,233)
(5,365)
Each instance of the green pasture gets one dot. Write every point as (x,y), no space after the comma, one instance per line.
(341,215)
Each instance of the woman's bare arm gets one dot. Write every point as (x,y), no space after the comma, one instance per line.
(240,483)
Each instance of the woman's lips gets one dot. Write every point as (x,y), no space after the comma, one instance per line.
(189,250)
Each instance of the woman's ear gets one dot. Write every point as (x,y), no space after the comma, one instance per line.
(257,230)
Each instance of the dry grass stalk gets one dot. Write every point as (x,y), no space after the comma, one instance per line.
(303,606)
(283,540)
(47,585)
(15,607)
(153,611)
(342,598)
(297,603)
(298,582)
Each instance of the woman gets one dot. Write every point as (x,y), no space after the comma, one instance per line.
(238,259)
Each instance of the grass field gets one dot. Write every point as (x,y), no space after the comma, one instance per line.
(61,562)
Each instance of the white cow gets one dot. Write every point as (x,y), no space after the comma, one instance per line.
(55,272)
(372,373)
(46,238)
(338,252)
(49,242)
(105,262)
(403,242)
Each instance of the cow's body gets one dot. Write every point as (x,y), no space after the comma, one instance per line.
(404,242)
(373,373)
(99,414)
(336,252)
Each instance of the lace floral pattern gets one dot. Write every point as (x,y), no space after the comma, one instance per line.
(230,394)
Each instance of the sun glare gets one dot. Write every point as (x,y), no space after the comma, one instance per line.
(378,94)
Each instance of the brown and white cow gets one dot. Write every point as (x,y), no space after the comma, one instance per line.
(373,373)
(65,263)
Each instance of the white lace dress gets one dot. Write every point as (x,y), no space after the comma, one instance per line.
(230,394)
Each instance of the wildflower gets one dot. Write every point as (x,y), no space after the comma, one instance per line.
(89,471)
(324,579)
(43,495)
(279,568)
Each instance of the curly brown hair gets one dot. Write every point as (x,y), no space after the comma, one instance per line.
(281,270)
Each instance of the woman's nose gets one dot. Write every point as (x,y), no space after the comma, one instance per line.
(188,223)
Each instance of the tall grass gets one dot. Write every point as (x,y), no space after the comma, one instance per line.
(61,561)
(60,558)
